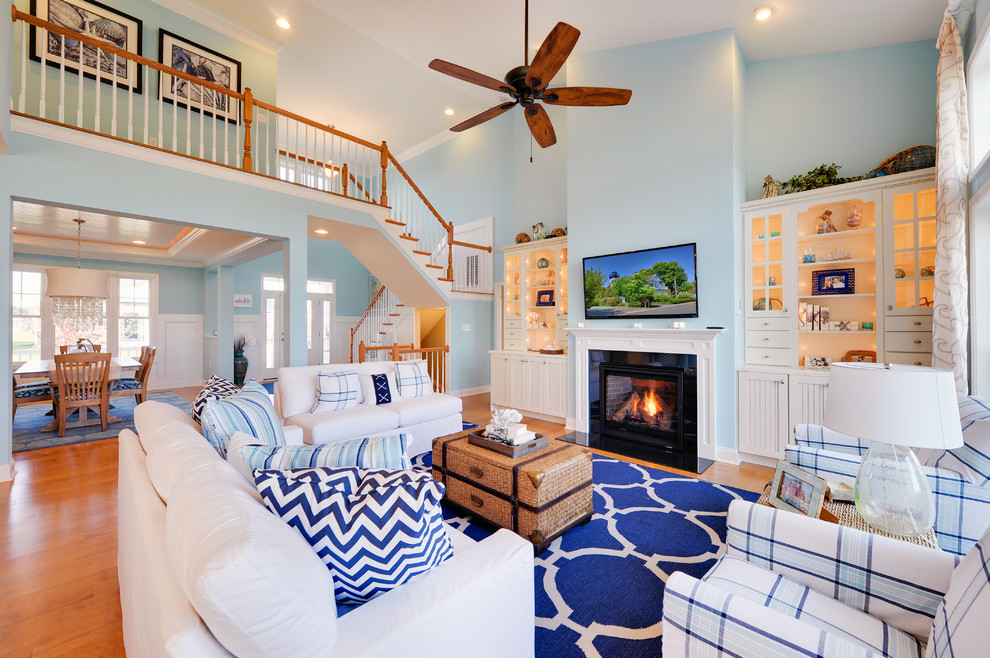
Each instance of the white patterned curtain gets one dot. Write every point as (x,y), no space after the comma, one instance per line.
(950,327)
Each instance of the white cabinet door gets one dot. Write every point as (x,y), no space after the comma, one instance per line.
(554,382)
(500,374)
(763,413)
(806,394)
(523,393)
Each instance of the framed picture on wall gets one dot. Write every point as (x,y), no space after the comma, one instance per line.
(94,20)
(199,62)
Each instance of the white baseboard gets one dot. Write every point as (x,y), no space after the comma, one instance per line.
(758,459)
(727,455)
(570,424)
(463,392)
(7,471)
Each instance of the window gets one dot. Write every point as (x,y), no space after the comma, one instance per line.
(134,316)
(26,307)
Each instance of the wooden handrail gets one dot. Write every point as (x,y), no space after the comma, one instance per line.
(120,52)
(309,122)
(381,291)
(333,167)
(471,245)
(419,192)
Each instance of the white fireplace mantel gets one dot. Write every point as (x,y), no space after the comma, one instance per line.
(700,342)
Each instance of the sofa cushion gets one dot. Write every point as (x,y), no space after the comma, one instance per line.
(336,391)
(426,408)
(214,389)
(374,529)
(959,628)
(379,388)
(387,451)
(361,420)
(150,415)
(256,584)
(176,450)
(295,390)
(972,459)
(249,411)
(413,379)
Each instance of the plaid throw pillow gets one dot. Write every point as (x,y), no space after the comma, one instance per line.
(336,391)
(413,379)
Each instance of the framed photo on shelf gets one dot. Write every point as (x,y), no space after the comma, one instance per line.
(544,297)
(200,62)
(95,20)
(796,490)
(833,282)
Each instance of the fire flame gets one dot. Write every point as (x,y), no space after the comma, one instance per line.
(651,405)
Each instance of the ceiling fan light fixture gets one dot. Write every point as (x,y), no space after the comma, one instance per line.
(283,23)
(764,12)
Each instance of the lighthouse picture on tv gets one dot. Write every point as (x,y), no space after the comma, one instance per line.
(650,283)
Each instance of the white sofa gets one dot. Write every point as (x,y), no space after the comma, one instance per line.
(206,570)
(424,418)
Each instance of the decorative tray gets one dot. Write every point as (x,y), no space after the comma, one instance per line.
(546,351)
(480,440)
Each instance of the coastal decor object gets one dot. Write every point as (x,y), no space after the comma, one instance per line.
(558,232)
(916,157)
(771,188)
(498,428)
(808,256)
(543,263)
(854,218)
(95,20)
(867,326)
(522,237)
(817,362)
(240,361)
(538,233)
(796,490)
(833,282)
(200,62)
(820,176)
(513,450)
(899,273)
(825,224)
(839,254)
(927,271)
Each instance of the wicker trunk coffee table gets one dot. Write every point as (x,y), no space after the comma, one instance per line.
(539,496)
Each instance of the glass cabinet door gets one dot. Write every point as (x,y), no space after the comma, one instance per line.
(766,273)
(513,306)
(909,246)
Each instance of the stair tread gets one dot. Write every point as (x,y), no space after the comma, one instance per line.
(435,267)
(409,237)
(386,324)
(442,278)
(421,253)
(395,223)
(395,315)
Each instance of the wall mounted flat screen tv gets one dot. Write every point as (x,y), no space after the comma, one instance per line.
(650,283)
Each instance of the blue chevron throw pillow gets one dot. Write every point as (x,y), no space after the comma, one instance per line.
(374,529)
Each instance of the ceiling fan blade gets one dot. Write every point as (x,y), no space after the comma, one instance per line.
(552,55)
(540,126)
(586,96)
(467,75)
(490,113)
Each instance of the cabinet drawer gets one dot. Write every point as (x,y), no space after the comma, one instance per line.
(769,324)
(910,359)
(514,334)
(514,344)
(778,339)
(908,323)
(908,341)
(770,356)
(512,323)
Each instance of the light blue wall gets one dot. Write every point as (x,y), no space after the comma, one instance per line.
(180,289)
(855,108)
(979,25)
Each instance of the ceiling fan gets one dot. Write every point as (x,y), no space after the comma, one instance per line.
(527,84)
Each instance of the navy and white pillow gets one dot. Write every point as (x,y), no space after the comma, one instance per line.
(379,388)
(216,388)
(250,411)
(374,529)
(336,391)
(413,379)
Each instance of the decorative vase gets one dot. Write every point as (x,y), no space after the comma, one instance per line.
(240,367)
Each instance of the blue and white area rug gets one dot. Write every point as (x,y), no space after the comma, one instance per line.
(30,418)
(599,588)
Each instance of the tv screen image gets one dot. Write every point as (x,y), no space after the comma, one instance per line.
(650,283)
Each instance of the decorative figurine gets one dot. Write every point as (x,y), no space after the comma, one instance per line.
(855,218)
(522,237)
(538,233)
(839,254)
(771,188)
(558,232)
(825,224)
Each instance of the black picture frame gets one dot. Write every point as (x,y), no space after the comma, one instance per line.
(833,282)
(201,62)
(544,297)
(96,20)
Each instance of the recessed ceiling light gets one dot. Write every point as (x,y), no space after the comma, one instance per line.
(138,242)
(764,12)
(321,231)
(283,23)
(449,111)
(15,228)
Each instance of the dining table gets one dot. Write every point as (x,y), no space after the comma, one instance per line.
(120,366)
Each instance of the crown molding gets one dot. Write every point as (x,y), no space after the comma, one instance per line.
(215,21)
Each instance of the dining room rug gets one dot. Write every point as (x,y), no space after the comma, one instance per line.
(31,418)
(599,587)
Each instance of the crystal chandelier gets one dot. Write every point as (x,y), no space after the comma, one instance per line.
(78,297)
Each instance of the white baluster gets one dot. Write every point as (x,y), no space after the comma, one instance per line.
(113,96)
(44,75)
(189,107)
(147,92)
(268,143)
(175,113)
(61,81)
(99,81)
(79,88)
(226,138)
(213,128)
(22,98)
(202,117)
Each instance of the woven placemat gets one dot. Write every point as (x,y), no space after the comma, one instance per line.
(850,517)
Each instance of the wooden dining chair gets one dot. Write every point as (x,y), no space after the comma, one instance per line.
(36,391)
(81,380)
(138,384)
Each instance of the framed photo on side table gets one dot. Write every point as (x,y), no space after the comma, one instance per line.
(200,62)
(94,20)
(797,490)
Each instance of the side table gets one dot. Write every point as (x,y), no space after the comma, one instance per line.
(850,517)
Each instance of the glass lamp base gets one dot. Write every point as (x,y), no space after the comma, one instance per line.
(892,492)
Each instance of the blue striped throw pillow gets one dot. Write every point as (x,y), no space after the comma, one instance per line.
(387,451)
(373,536)
(336,391)
(250,411)
(412,378)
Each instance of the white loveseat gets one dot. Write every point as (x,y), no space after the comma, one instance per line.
(424,418)
(206,570)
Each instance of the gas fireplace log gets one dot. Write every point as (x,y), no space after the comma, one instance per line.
(627,409)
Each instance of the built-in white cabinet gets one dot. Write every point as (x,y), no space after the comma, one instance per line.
(771,402)
(533,383)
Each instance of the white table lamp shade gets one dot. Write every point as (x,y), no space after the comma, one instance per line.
(902,405)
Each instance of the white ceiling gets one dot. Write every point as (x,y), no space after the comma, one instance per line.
(362,66)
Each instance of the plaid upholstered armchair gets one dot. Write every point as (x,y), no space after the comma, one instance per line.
(790,585)
(959,478)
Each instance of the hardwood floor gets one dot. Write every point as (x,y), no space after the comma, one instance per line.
(58,542)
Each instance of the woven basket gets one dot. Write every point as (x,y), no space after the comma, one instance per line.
(916,157)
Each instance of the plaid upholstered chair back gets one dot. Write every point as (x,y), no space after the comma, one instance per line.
(960,624)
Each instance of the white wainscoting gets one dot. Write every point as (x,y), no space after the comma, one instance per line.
(252,325)
(179,359)
(341,344)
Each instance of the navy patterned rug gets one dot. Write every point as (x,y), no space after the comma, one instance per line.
(31,418)
(599,588)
